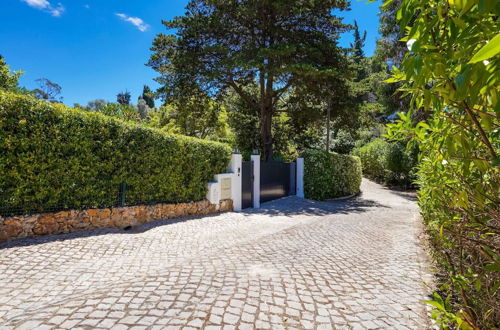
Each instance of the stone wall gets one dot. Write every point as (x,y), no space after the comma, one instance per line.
(119,217)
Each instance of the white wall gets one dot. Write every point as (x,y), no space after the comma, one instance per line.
(214,193)
(235,169)
(256,180)
(300,177)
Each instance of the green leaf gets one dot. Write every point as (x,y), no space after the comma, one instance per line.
(492,268)
(392,80)
(478,285)
(386,4)
(492,48)
(435,304)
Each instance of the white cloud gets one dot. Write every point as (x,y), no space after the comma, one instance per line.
(46,6)
(39,4)
(57,11)
(136,21)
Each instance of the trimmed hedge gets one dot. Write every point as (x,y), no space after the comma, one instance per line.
(54,157)
(330,175)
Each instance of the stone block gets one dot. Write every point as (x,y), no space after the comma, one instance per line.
(73,220)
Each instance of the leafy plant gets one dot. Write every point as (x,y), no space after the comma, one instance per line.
(452,72)
(343,143)
(388,162)
(9,81)
(56,157)
(373,159)
(330,175)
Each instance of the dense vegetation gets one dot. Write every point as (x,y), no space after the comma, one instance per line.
(391,163)
(54,157)
(329,175)
(264,51)
(269,76)
(451,73)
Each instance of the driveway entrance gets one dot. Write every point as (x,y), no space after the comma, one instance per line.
(294,263)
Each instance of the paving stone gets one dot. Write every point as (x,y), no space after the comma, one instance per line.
(292,264)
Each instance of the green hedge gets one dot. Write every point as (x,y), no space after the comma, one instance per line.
(54,157)
(330,175)
(373,159)
(388,162)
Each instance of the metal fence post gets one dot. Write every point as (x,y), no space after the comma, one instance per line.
(123,191)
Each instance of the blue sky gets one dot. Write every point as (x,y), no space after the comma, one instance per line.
(95,49)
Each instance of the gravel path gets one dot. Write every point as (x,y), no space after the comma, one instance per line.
(353,264)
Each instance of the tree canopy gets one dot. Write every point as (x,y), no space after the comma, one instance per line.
(123,98)
(48,90)
(274,45)
(8,80)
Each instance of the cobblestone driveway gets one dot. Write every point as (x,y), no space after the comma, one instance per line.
(293,264)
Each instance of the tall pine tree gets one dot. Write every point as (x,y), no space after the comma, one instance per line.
(273,45)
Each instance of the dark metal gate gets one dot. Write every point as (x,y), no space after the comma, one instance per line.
(246,185)
(276,180)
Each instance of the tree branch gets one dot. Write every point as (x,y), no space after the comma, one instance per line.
(247,98)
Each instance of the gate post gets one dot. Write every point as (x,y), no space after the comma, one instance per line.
(300,177)
(256,180)
(235,167)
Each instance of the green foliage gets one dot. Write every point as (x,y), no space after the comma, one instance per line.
(148,96)
(373,159)
(276,45)
(343,143)
(123,98)
(389,47)
(359,42)
(8,80)
(452,72)
(329,175)
(48,90)
(196,115)
(291,132)
(388,162)
(124,112)
(401,162)
(54,156)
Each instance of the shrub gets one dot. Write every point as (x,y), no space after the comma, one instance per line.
(343,143)
(329,175)
(452,74)
(388,162)
(55,157)
(401,163)
(373,159)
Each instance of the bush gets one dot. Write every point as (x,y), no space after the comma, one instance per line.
(373,159)
(452,74)
(55,157)
(343,143)
(401,164)
(330,175)
(388,162)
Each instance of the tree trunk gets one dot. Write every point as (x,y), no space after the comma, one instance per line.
(266,117)
(266,113)
(328,116)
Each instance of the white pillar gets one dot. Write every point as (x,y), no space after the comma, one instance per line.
(256,180)
(235,168)
(300,177)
